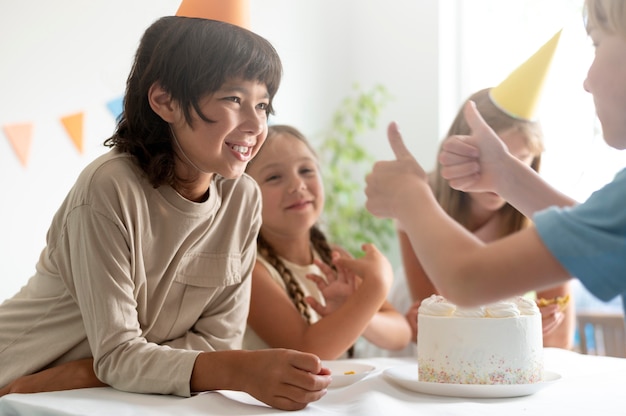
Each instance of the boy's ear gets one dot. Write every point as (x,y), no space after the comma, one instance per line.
(161,103)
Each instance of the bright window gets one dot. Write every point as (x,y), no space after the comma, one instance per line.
(496,36)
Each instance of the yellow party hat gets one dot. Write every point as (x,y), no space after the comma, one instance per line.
(236,12)
(518,95)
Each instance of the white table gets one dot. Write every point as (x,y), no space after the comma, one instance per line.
(589,385)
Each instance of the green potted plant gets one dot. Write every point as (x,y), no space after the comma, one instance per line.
(345,162)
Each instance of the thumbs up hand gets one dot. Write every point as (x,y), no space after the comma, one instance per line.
(390,183)
(474,163)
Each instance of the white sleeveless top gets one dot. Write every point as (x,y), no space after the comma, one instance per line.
(251,340)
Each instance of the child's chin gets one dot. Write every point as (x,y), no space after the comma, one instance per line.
(232,174)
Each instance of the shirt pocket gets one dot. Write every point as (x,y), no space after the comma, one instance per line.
(200,280)
(209,269)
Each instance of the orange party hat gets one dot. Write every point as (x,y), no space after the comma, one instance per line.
(236,12)
(518,95)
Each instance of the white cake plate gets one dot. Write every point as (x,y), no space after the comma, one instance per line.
(406,376)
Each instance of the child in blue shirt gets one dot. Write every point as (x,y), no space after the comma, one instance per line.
(586,240)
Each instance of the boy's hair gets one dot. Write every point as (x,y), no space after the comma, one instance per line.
(318,239)
(608,15)
(456,202)
(284,129)
(189,58)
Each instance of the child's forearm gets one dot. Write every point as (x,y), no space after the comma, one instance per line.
(68,376)
(332,335)
(527,191)
(389,330)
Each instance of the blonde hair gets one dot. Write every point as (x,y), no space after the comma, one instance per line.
(608,15)
(456,203)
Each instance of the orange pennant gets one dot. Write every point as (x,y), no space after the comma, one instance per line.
(74,126)
(236,12)
(21,137)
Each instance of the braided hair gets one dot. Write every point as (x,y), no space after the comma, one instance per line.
(294,290)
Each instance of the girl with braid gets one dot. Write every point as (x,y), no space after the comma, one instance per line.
(300,299)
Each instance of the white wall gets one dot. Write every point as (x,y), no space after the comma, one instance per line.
(327,45)
(63,56)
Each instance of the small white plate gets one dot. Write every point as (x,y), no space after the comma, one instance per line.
(346,372)
(406,376)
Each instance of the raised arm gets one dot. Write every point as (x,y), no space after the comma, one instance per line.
(418,282)
(332,335)
(481,162)
(388,328)
(477,273)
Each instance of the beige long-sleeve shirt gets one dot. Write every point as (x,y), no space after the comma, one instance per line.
(137,277)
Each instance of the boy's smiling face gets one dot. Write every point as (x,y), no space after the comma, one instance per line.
(238,128)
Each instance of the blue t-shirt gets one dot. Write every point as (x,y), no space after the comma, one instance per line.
(589,239)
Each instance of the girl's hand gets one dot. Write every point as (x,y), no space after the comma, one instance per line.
(551,317)
(411,317)
(373,267)
(336,287)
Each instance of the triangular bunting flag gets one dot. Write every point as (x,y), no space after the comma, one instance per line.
(20,136)
(74,126)
(116,106)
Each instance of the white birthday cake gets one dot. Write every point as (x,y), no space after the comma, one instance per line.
(500,343)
